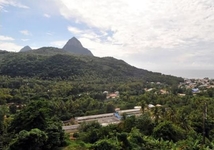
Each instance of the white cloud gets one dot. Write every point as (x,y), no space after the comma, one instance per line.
(9,46)
(24,40)
(46,15)
(5,38)
(49,33)
(86,33)
(3,10)
(74,30)
(12,3)
(25,32)
(101,49)
(148,27)
(150,34)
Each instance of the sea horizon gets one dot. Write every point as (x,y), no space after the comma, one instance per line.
(190,74)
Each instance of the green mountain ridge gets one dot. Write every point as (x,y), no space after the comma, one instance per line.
(49,62)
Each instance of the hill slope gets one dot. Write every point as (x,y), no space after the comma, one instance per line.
(77,68)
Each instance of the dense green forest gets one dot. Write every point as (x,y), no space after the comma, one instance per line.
(39,90)
(52,63)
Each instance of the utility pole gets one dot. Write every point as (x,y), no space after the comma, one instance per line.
(204,121)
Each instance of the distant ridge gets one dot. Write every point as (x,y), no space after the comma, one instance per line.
(74,46)
(25,49)
(52,63)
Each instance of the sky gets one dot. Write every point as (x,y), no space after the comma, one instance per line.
(156,35)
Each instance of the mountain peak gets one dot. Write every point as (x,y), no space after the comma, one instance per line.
(25,49)
(74,46)
(74,42)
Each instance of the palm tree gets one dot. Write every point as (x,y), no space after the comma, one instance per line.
(143,105)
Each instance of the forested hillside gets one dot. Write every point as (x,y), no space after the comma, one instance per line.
(46,63)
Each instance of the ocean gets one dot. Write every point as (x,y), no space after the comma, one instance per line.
(190,74)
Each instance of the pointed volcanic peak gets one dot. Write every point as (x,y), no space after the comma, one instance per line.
(25,49)
(74,46)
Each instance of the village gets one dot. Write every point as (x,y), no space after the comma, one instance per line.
(197,85)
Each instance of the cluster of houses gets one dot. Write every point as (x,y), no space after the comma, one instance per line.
(197,84)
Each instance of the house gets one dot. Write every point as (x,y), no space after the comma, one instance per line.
(195,90)
(163,91)
(151,106)
(112,95)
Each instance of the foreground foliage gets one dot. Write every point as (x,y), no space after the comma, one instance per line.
(34,127)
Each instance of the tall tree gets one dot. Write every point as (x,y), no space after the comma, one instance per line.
(37,115)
